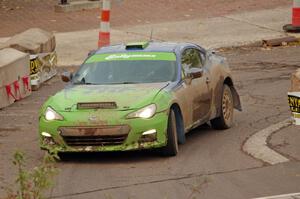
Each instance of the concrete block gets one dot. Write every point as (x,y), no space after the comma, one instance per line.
(295,81)
(2,45)
(77,5)
(33,41)
(14,74)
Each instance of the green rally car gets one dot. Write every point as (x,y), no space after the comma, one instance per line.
(139,96)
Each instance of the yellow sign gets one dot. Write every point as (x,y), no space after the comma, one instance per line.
(294,103)
(35,65)
(42,60)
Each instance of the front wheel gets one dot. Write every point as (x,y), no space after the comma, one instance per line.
(171,149)
(226,119)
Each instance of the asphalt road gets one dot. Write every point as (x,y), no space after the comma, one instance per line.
(210,165)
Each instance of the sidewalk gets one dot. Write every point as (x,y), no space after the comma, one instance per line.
(216,32)
(284,196)
(18,15)
(229,30)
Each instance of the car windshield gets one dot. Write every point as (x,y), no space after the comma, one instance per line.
(127,69)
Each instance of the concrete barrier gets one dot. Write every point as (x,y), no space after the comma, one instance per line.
(40,44)
(33,41)
(14,76)
(2,45)
(295,81)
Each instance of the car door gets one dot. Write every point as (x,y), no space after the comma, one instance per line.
(198,89)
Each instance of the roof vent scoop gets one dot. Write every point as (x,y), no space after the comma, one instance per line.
(137,45)
(97,105)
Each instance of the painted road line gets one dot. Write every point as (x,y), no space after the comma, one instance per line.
(285,196)
(256,145)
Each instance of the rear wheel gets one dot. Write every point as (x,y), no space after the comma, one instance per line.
(226,119)
(171,149)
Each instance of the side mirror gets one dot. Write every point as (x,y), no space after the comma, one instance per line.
(92,52)
(211,51)
(66,76)
(194,73)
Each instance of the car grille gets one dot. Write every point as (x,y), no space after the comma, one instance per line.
(97,105)
(95,136)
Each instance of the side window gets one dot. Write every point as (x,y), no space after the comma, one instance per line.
(192,58)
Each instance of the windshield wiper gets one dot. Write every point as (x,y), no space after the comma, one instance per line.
(122,83)
(82,82)
(129,82)
(108,83)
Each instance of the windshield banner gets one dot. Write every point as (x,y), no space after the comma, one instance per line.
(131,56)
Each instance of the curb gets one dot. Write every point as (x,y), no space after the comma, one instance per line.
(284,196)
(256,145)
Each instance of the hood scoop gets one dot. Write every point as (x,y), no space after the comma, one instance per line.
(97,105)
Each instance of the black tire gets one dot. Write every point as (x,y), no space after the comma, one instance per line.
(226,119)
(171,149)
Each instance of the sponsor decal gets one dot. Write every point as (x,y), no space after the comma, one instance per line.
(39,62)
(128,56)
(132,56)
(294,103)
(35,66)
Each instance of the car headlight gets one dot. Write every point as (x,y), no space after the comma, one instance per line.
(51,115)
(146,112)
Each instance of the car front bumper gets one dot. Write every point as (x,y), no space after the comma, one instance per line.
(77,134)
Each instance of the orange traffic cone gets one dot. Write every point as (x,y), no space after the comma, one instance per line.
(295,26)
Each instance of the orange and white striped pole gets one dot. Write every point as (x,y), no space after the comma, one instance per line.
(104,34)
(296,13)
(295,26)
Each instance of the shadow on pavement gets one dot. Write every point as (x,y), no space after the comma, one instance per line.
(193,137)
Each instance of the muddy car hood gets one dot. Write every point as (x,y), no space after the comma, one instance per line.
(126,96)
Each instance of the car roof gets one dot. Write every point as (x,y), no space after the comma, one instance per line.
(152,46)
